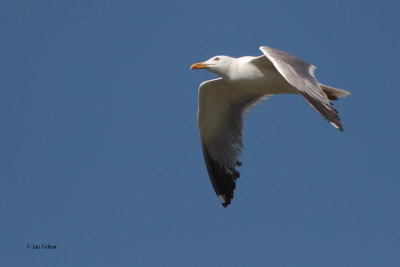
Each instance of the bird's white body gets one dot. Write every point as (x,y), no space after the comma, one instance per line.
(259,79)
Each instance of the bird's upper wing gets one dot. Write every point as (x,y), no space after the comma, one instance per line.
(220,119)
(300,75)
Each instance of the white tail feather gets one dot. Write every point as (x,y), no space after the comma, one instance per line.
(339,93)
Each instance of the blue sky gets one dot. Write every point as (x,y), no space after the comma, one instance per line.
(101,155)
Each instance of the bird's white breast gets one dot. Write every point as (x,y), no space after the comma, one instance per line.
(251,78)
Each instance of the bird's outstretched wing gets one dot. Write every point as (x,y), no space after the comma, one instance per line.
(220,118)
(300,75)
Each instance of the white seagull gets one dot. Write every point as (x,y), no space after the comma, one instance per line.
(245,82)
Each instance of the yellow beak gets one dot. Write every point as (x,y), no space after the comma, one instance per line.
(200,65)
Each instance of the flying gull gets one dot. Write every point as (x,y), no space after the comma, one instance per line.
(245,82)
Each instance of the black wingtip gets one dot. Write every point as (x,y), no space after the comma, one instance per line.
(338,126)
(226,203)
(223,181)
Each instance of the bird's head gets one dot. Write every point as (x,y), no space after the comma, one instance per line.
(218,64)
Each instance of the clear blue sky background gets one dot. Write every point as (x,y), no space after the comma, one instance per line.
(100,153)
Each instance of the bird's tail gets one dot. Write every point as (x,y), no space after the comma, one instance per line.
(333,93)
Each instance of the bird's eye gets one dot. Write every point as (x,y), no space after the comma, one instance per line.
(216,59)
